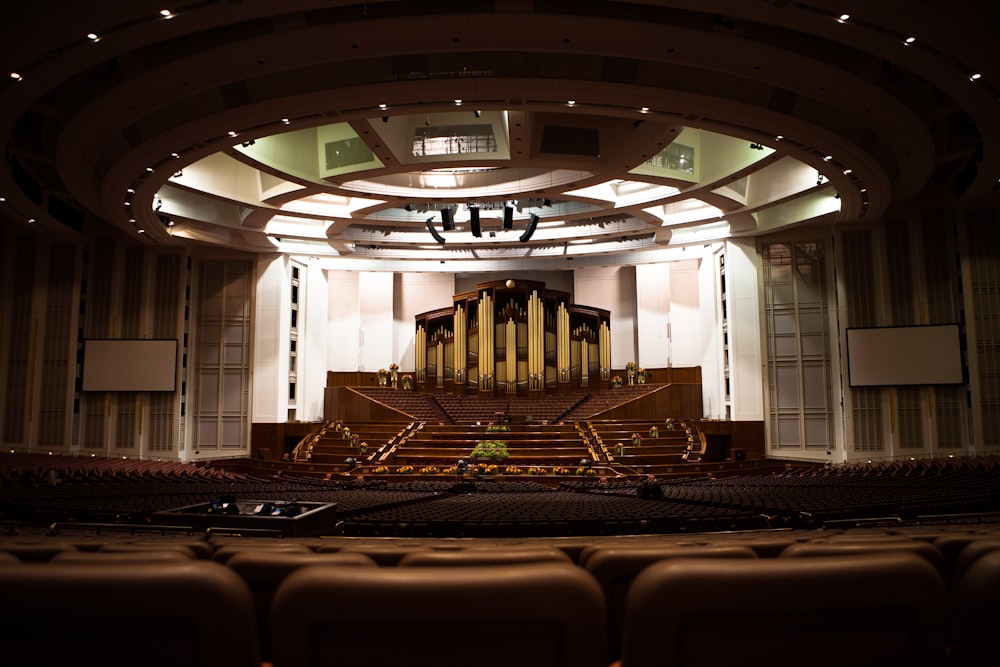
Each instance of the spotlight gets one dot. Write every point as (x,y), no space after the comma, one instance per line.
(478,113)
(248,143)
(508,217)
(636,123)
(530,229)
(408,207)
(385,119)
(756,147)
(547,202)
(178,173)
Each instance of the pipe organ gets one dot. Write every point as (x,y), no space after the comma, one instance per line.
(512,338)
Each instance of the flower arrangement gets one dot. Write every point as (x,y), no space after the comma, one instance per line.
(429,470)
(407,381)
(393,367)
(654,431)
(380,470)
(616,382)
(670,424)
(640,375)
(450,470)
(630,367)
(536,470)
(497,428)
(495,450)
(383,377)
(405,470)
(636,440)
(559,470)
(512,470)
(590,472)
(491,469)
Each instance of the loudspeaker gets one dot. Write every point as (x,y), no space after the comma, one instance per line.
(508,217)
(447,222)
(474,220)
(434,232)
(530,230)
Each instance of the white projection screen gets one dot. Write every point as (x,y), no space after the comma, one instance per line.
(889,356)
(129,365)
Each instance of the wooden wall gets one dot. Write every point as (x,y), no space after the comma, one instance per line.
(342,403)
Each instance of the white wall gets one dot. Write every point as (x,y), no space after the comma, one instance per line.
(343,339)
(270,369)
(612,288)
(653,315)
(375,332)
(312,347)
(416,293)
(747,369)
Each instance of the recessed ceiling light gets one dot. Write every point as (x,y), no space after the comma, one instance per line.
(828,158)
(644,110)
(166,13)
(16,76)
(975,77)
(458,102)
(285,121)
(383,106)
(843,18)
(571,102)
(909,40)
(848,172)
(93,37)
(232,133)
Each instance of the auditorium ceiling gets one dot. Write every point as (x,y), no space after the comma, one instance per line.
(490,134)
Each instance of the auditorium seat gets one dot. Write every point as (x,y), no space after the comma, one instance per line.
(974,639)
(385,555)
(151,614)
(528,615)
(851,547)
(616,567)
(973,552)
(865,609)
(35,552)
(496,555)
(119,557)
(263,571)
(230,549)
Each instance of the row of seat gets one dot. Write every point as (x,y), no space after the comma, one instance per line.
(776,598)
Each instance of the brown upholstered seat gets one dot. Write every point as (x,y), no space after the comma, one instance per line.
(264,570)
(497,555)
(974,639)
(615,568)
(529,615)
(151,614)
(864,609)
(860,546)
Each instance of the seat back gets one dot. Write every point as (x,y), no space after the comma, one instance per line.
(481,556)
(974,639)
(529,615)
(165,614)
(871,609)
(849,547)
(615,568)
(263,572)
